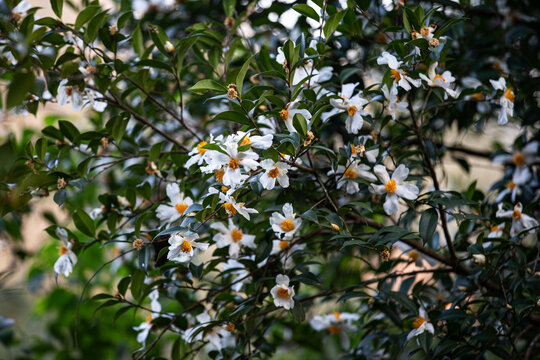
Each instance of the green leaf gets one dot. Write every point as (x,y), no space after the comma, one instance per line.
(332,23)
(233,116)
(83,222)
(428,224)
(137,41)
(60,197)
(21,84)
(137,283)
(57,6)
(300,124)
(406,22)
(208,84)
(155,151)
(307,10)
(85,15)
(228,7)
(242,74)
(144,258)
(68,129)
(298,312)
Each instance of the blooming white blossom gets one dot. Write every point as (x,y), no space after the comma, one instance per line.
(287,115)
(198,154)
(506,101)
(520,221)
(402,78)
(144,328)
(479,259)
(394,105)
(256,141)
(218,337)
(306,69)
(421,324)
(285,248)
(19,11)
(338,323)
(69,94)
(232,237)
(231,206)
(274,171)
(496,231)
(231,161)
(286,223)
(67,259)
(444,81)
(352,104)
(178,204)
(527,156)
(183,245)
(520,177)
(393,187)
(283,293)
(354,170)
(94,98)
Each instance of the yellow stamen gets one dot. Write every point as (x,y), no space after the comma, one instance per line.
(246,141)
(351,110)
(350,174)
(283,244)
(333,329)
(437,76)
(181,207)
(516,214)
(219,175)
(494,228)
(424,31)
(274,173)
(237,235)
(149,318)
(519,159)
(418,322)
(478,96)
(229,208)
(284,293)
(413,256)
(200,148)
(233,164)
(337,315)
(186,247)
(391,186)
(287,225)
(509,94)
(395,74)
(62,250)
(511,185)
(224,189)
(284,114)
(230,327)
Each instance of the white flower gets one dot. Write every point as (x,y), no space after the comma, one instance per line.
(183,245)
(286,224)
(218,337)
(284,247)
(395,106)
(231,161)
(479,259)
(92,97)
(283,293)
(496,231)
(274,171)
(506,101)
(256,141)
(198,154)
(527,156)
(145,327)
(351,172)
(413,256)
(19,11)
(231,206)
(68,259)
(393,187)
(354,105)
(305,70)
(402,78)
(69,94)
(179,204)
(287,115)
(232,237)
(521,176)
(444,81)
(337,324)
(421,324)
(520,221)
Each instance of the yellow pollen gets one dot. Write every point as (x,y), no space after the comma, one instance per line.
(62,250)
(287,225)
(353,149)
(185,247)
(233,164)
(333,329)
(494,228)
(424,31)
(236,235)
(229,208)
(224,189)
(219,175)
(511,185)
(283,244)
(437,76)
(478,96)
(413,256)
(181,207)
(149,318)
(230,327)
(351,110)
(509,94)
(418,322)
(391,186)
(395,74)
(337,315)
(519,159)
(274,173)
(284,293)
(350,174)
(69,90)
(516,214)
(246,141)
(200,148)
(284,114)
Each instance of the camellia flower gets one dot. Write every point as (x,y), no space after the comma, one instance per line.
(394,105)
(183,245)
(19,11)
(285,248)
(145,327)
(286,223)
(274,171)
(351,172)
(256,141)
(231,161)
(68,259)
(402,78)
(218,337)
(479,259)
(506,101)
(232,237)
(443,81)
(69,94)
(179,204)
(337,324)
(198,154)
(496,231)
(231,206)
(283,293)
(421,324)
(287,115)
(354,105)
(93,98)
(306,69)
(527,156)
(393,187)
(521,176)
(520,221)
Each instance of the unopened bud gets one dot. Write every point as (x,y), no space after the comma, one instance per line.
(61,183)
(230,327)
(434,42)
(232,91)
(479,259)
(169,47)
(414,34)
(254,79)
(113,29)
(385,255)
(229,21)
(138,244)
(424,31)
(309,139)
(335,227)
(104,142)
(151,168)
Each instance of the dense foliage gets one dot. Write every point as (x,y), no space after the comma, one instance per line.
(256,178)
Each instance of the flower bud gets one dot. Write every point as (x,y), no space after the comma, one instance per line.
(113,29)
(61,183)
(385,255)
(335,227)
(232,91)
(138,244)
(479,259)
(169,47)
(434,42)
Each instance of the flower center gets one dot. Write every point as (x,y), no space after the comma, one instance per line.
(181,207)
(186,247)
(230,327)
(351,110)
(350,173)
(391,186)
(200,148)
(287,225)
(246,141)
(284,293)
(237,235)
(418,322)
(229,208)
(511,185)
(516,214)
(283,244)
(494,228)
(62,250)
(219,175)
(477,96)
(224,189)
(284,114)
(395,74)
(438,77)
(337,315)
(149,318)
(509,94)
(69,90)
(413,256)
(274,173)
(333,329)
(424,31)
(519,159)
(233,164)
